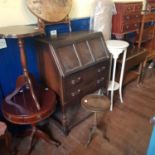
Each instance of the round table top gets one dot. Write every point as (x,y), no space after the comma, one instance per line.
(22,109)
(20,31)
(95,103)
(116,44)
(116,47)
(50,10)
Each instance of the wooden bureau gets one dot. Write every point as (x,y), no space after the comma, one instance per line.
(127,19)
(73,65)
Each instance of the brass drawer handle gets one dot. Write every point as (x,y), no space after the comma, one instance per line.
(76,93)
(138,7)
(127,17)
(101,69)
(76,81)
(100,80)
(127,27)
(136,25)
(38,116)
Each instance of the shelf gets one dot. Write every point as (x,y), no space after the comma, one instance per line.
(116,86)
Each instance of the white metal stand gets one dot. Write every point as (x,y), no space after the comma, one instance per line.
(116,47)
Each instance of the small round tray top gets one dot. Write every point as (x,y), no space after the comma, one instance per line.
(95,103)
(20,31)
(50,10)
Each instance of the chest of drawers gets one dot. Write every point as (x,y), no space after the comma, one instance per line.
(73,65)
(128,17)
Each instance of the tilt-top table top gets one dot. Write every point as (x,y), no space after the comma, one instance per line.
(20,31)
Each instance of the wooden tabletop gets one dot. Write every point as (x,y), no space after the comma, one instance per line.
(50,10)
(95,103)
(20,31)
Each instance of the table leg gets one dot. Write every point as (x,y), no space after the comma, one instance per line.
(121,75)
(113,83)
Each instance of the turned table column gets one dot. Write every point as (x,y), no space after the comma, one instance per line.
(20,33)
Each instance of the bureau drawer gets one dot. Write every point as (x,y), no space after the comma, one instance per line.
(130,27)
(128,7)
(76,84)
(131,18)
(85,76)
(70,94)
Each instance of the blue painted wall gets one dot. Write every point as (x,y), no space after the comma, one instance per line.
(10,67)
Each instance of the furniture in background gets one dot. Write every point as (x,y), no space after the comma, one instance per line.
(19,108)
(125,25)
(127,18)
(116,47)
(146,37)
(19,33)
(29,103)
(150,5)
(56,12)
(73,65)
(95,103)
(4,134)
